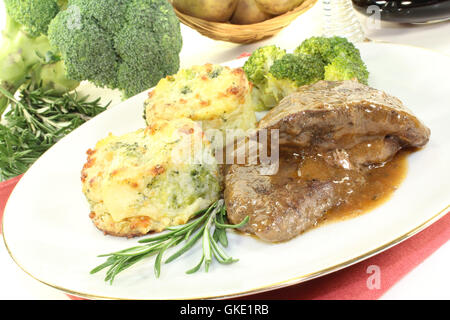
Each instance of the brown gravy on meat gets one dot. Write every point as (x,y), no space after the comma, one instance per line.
(381,184)
(359,190)
(345,137)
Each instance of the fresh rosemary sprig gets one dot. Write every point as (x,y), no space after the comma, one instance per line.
(37,119)
(188,234)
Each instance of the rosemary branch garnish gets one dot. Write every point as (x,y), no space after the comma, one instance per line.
(189,234)
(38,119)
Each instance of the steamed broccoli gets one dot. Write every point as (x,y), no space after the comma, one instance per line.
(276,74)
(341,57)
(344,67)
(292,71)
(25,51)
(300,69)
(124,44)
(256,68)
(325,48)
(258,64)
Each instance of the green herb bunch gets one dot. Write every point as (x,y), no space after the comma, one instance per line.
(189,234)
(38,118)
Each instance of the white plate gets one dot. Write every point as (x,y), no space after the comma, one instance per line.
(48,233)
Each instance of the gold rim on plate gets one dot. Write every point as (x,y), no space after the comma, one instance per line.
(273,286)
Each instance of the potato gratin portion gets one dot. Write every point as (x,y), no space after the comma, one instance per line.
(150,179)
(217,96)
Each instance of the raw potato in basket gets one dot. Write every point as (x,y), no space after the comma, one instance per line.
(211,10)
(278,6)
(248,12)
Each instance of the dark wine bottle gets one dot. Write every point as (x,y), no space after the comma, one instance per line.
(412,11)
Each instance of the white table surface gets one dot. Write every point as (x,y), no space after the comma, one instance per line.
(430,280)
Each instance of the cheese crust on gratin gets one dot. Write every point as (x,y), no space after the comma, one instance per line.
(150,179)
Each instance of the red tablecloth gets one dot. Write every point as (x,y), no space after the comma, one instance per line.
(366,280)
(6,187)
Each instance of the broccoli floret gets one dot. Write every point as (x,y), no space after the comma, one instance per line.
(33,15)
(256,68)
(291,72)
(25,48)
(124,44)
(327,48)
(300,69)
(258,64)
(341,57)
(286,75)
(344,67)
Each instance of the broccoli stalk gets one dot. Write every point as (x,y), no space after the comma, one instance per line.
(25,54)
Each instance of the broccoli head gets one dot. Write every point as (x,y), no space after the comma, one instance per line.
(342,58)
(33,15)
(50,73)
(124,44)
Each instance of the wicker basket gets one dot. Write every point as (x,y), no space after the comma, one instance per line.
(244,33)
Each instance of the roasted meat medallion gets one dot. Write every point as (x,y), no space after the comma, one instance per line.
(338,141)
